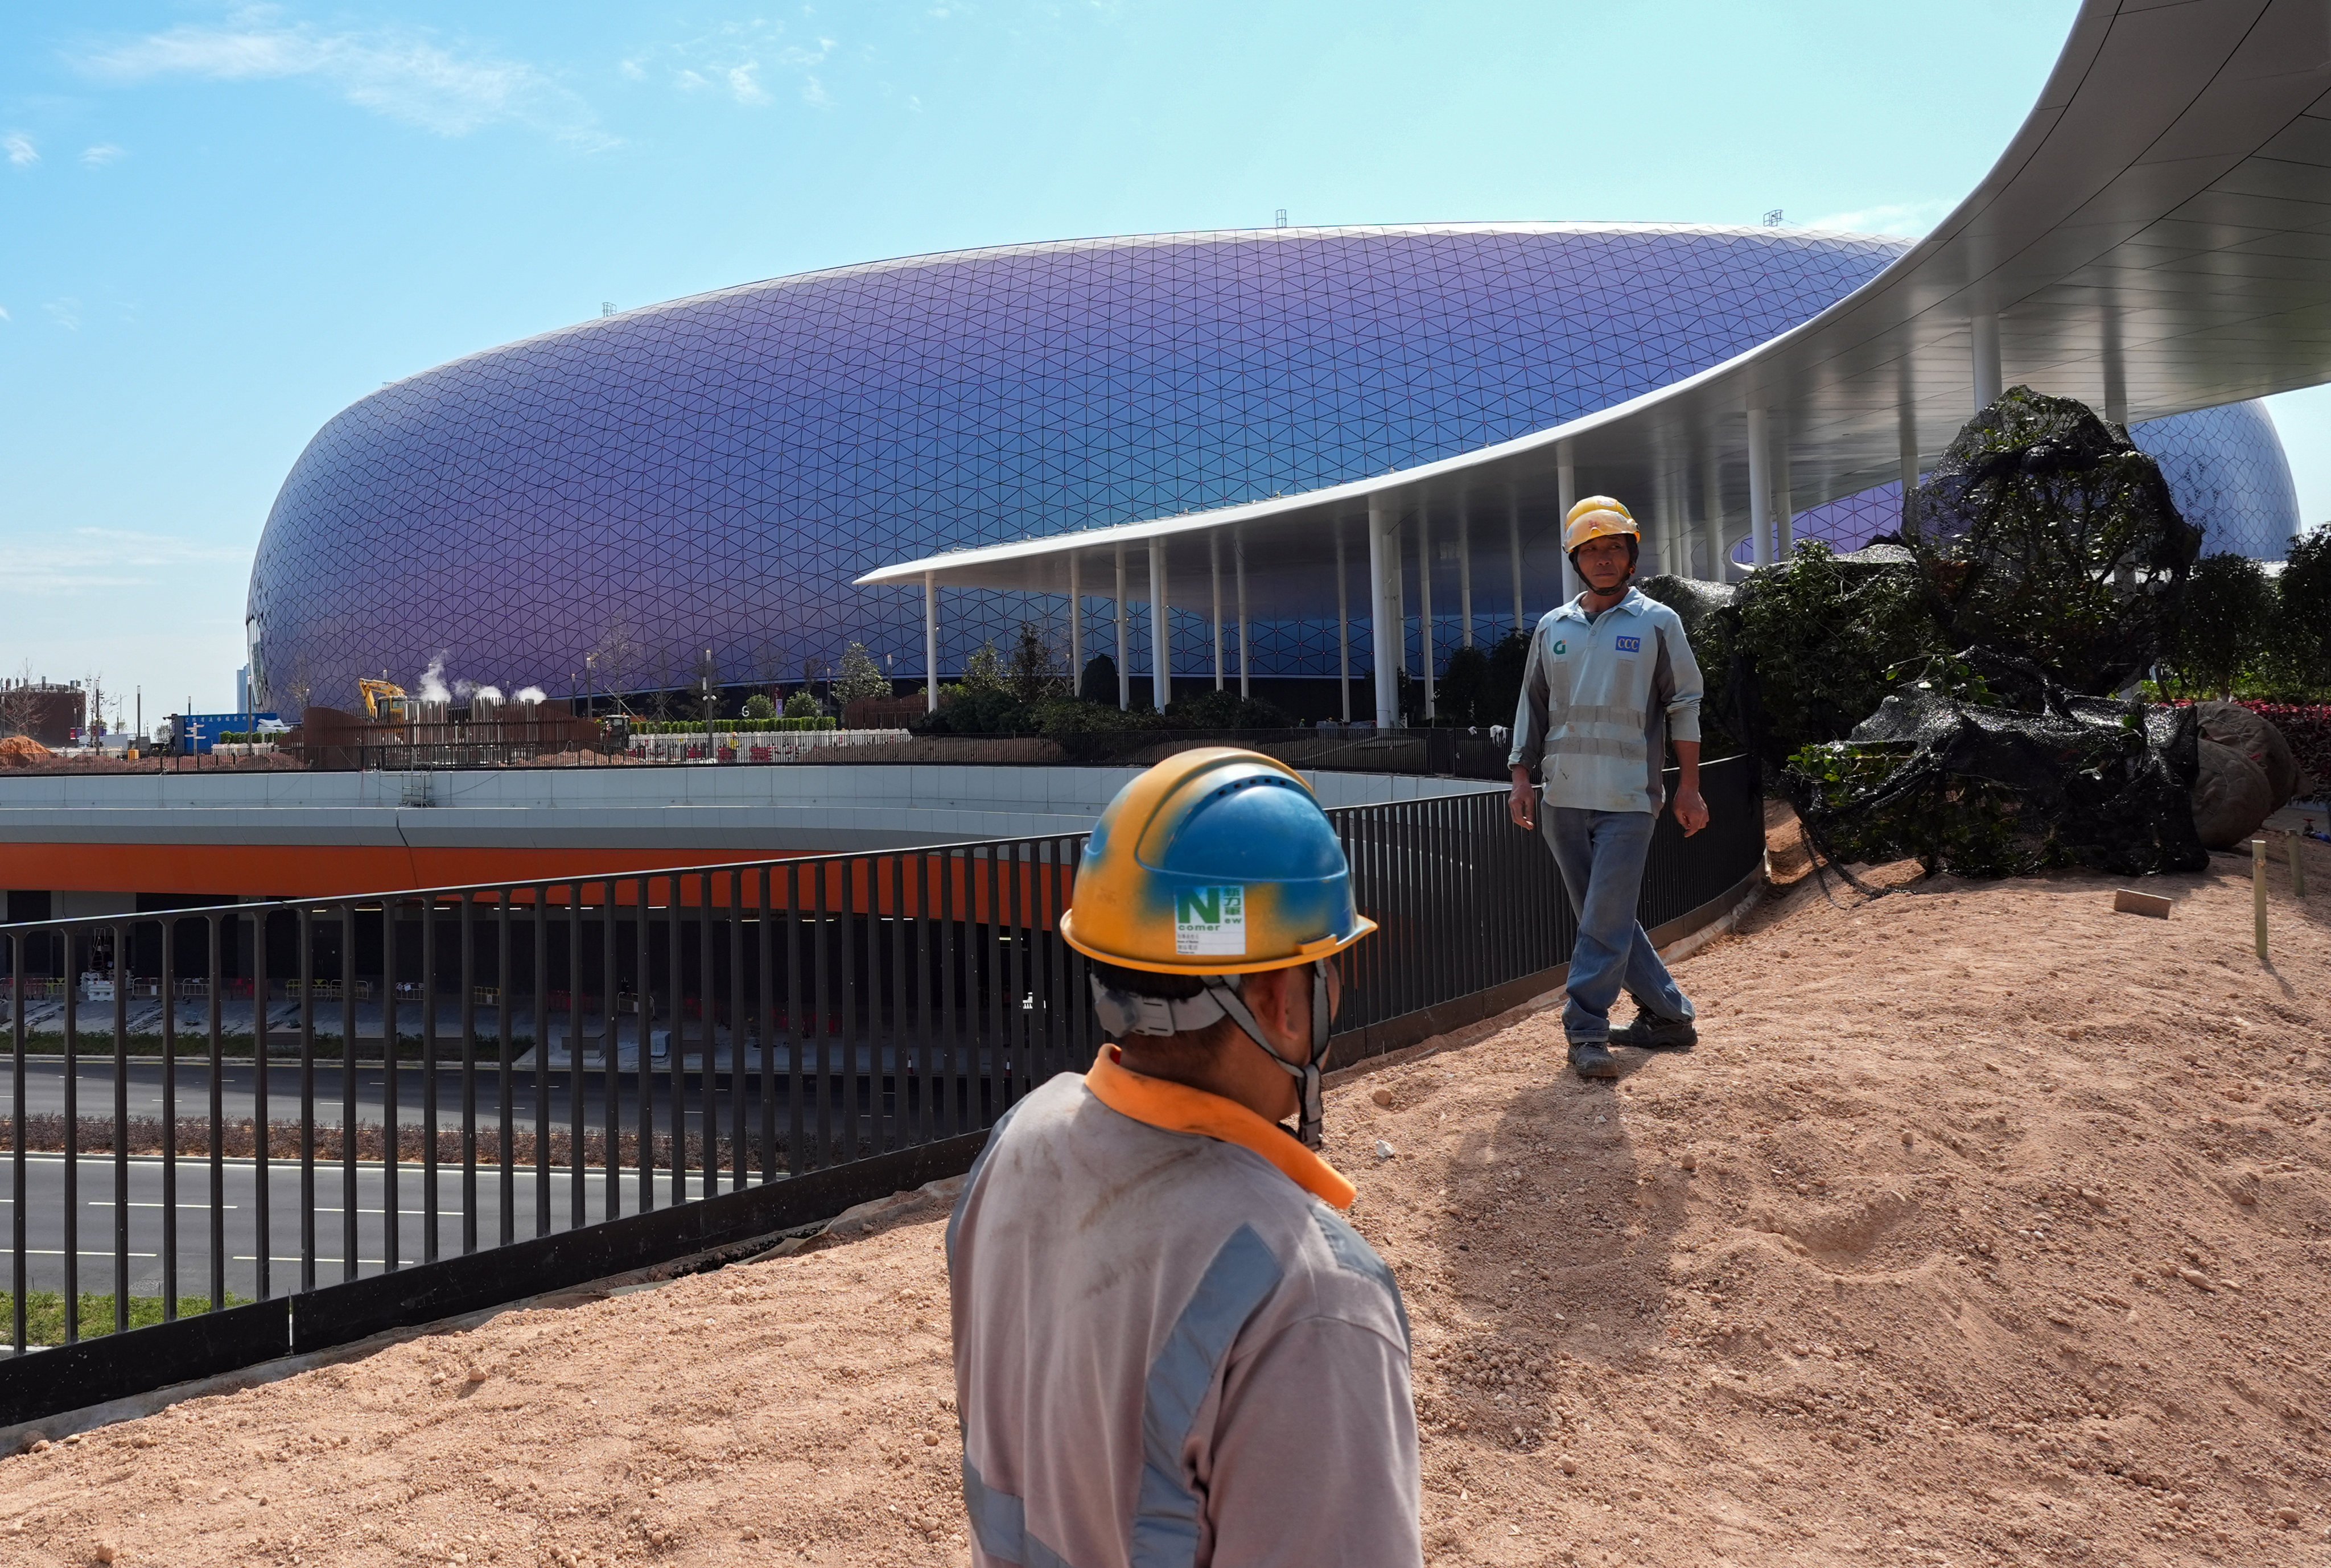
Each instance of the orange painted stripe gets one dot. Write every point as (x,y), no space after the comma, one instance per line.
(1027,894)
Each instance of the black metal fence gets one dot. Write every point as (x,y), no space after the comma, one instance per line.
(239,1130)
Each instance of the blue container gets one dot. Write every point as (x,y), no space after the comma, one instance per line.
(194,733)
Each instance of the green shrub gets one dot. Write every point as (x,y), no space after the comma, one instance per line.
(860,677)
(1827,640)
(758,705)
(2297,664)
(1225,709)
(2222,627)
(1098,684)
(803,704)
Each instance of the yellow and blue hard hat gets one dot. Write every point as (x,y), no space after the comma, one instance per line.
(1215,861)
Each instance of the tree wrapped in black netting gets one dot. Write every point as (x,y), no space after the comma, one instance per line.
(1949,695)
(2044,533)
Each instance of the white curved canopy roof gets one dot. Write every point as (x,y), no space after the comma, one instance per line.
(2156,239)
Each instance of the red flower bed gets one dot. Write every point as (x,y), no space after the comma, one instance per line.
(2306,726)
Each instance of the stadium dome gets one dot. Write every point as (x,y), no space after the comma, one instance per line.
(598,507)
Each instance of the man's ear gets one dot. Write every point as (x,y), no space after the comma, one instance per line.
(1270,999)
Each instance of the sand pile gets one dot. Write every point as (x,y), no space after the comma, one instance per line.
(22,750)
(1988,1226)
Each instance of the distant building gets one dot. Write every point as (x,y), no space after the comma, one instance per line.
(593,508)
(42,711)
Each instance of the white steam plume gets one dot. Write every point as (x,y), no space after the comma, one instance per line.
(529,694)
(433,682)
(485,694)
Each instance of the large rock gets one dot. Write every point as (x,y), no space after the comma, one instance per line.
(2231,796)
(2232,724)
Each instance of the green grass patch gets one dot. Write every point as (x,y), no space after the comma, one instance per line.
(45,1312)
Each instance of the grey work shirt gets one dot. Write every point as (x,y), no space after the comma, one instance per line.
(1601,695)
(1168,1353)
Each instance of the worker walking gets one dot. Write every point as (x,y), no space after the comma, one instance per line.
(1610,683)
(1169,1347)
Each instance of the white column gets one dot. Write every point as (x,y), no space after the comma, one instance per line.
(1566,490)
(1785,502)
(1985,331)
(1711,495)
(1465,569)
(930,642)
(1711,523)
(2116,371)
(1909,435)
(1343,624)
(1514,549)
(1214,563)
(1246,669)
(1760,491)
(1123,652)
(1425,596)
(1384,632)
(1161,631)
(1076,623)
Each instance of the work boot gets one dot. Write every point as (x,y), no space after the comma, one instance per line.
(1592,1059)
(1647,1030)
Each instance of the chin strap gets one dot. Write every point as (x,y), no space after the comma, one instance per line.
(1124,1012)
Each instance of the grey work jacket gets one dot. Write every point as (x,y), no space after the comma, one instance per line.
(1600,700)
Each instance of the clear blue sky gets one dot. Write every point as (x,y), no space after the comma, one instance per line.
(221,223)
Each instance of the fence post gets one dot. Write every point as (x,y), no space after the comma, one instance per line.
(2258,895)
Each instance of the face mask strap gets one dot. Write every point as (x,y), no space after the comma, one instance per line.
(1309,1108)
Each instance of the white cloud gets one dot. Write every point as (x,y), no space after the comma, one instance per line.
(22,153)
(102,154)
(1912,218)
(85,560)
(401,74)
(743,84)
(731,61)
(65,311)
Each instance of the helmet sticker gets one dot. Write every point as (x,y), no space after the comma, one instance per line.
(1210,922)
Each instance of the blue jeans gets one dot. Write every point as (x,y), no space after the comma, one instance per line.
(1600,857)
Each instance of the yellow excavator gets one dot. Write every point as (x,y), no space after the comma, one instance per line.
(375,693)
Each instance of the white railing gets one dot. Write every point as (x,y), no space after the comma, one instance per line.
(756,746)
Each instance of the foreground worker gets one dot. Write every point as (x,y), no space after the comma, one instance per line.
(1169,1348)
(1611,682)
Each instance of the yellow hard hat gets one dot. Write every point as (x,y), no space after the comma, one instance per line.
(1597,518)
(1215,861)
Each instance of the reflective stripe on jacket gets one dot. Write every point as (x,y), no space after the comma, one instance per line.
(1600,699)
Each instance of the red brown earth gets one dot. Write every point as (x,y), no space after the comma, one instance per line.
(1986,1226)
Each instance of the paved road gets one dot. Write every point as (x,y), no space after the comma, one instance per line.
(45,1091)
(294,1255)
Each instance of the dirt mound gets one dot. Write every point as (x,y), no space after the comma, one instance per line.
(1986,1226)
(19,750)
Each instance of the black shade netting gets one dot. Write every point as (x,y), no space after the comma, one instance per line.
(1992,791)
(2045,534)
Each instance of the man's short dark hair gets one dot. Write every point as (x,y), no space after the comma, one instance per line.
(1147,981)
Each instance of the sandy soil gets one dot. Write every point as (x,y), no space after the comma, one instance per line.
(1987,1226)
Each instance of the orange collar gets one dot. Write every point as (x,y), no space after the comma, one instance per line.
(1178,1109)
